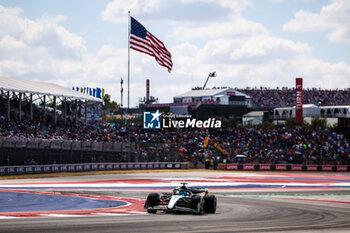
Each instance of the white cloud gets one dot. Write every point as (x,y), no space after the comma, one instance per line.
(234,5)
(334,17)
(235,27)
(117,10)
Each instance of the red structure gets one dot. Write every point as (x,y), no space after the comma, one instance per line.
(147,90)
(298,101)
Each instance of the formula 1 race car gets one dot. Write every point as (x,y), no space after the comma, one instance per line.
(182,200)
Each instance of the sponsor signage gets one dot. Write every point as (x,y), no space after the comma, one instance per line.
(37,169)
(249,167)
(11,170)
(312,167)
(231,93)
(47,169)
(296,167)
(281,167)
(20,170)
(298,101)
(71,168)
(342,168)
(79,167)
(327,168)
(29,170)
(231,166)
(2,171)
(63,168)
(265,167)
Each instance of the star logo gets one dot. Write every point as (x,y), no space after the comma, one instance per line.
(155,115)
(151,120)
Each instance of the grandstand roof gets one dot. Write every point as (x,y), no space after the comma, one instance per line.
(42,88)
(209,92)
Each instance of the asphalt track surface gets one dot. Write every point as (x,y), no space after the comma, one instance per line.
(243,210)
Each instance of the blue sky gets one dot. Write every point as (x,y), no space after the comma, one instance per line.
(247,42)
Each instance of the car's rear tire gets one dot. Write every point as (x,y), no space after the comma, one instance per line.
(151,211)
(153,199)
(210,203)
(197,204)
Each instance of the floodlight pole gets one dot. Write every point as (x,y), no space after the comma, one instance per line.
(212,74)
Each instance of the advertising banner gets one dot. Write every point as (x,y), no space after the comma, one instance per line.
(71,168)
(298,101)
(87,167)
(342,168)
(29,170)
(55,169)
(2,171)
(265,167)
(47,169)
(249,167)
(79,168)
(296,167)
(232,167)
(311,167)
(20,170)
(327,168)
(281,167)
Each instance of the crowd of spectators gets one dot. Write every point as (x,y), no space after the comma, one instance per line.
(285,97)
(259,145)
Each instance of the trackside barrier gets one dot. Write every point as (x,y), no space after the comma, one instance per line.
(37,169)
(283,167)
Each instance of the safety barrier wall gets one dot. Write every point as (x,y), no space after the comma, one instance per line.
(64,145)
(38,169)
(284,167)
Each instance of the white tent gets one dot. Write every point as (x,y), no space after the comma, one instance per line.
(30,91)
(42,88)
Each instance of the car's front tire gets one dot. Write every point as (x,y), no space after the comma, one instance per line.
(210,203)
(197,204)
(153,199)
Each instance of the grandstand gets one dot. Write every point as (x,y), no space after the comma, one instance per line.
(21,98)
(266,98)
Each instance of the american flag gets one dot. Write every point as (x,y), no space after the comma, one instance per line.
(143,41)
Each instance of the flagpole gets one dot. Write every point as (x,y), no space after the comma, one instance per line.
(128,59)
(129,28)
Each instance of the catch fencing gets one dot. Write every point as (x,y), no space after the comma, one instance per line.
(32,151)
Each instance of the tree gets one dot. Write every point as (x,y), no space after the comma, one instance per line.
(318,123)
(290,123)
(108,104)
